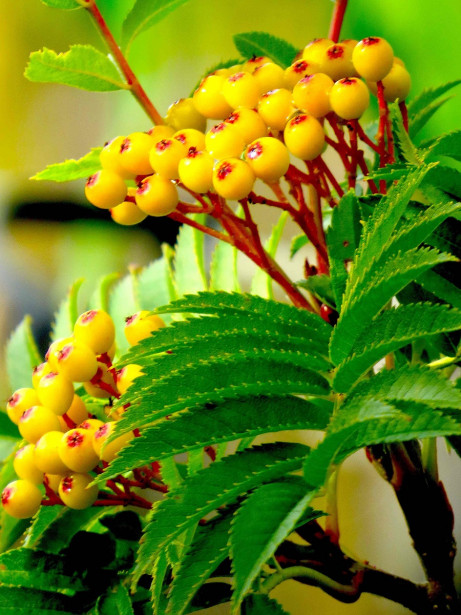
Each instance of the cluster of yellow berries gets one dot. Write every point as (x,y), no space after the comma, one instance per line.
(266,114)
(64,442)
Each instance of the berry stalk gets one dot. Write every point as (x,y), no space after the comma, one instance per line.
(337,20)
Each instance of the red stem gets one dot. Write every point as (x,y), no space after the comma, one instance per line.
(404,112)
(337,20)
(323,167)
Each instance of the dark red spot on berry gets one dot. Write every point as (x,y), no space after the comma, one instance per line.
(181,137)
(26,414)
(348,81)
(335,52)
(92,179)
(298,119)
(130,319)
(6,495)
(66,484)
(75,439)
(370,40)
(300,66)
(193,152)
(218,128)
(224,170)
(102,431)
(163,145)
(236,77)
(126,145)
(255,151)
(50,376)
(65,352)
(13,400)
(87,317)
(306,79)
(233,117)
(143,187)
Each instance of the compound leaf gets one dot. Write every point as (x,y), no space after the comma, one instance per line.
(116,601)
(23,601)
(262,282)
(223,269)
(427,96)
(189,267)
(22,355)
(445,145)
(72,169)
(261,604)
(253,44)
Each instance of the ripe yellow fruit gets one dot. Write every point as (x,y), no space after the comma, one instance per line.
(21,499)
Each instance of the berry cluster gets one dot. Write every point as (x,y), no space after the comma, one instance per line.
(66,445)
(266,115)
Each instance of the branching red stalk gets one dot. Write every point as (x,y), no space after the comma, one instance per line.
(352,175)
(337,20)
(325,170)
(182,219)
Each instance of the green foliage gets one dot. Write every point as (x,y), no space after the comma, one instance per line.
(71,169)
(423,107)
(254,44)
(67,314)
(62,4)
(260,604)
(116,602)
(83,66)
(22,355)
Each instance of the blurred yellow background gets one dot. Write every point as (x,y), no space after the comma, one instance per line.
(42,124)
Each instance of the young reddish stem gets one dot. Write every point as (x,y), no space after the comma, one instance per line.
(325,170)
(68,421)
(382,129)
(337,20)
(316,208)
(131,79)
(365,138)
(262,200)
(404,112)
(181,218)
(352,175)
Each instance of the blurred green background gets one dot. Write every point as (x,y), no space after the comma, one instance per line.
(42,124)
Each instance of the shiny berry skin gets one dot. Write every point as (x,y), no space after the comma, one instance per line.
(52,354)
(126,376)
(248,122)
(162,131)
(75,492)
(36,422)
(349,98)
(25,466)
(140,325)
(268,158)
(397,84)
(134,153)
(21,400)
(77,362)
(269,76)
(56,392)
(39,371)
(96,329)
(110,158)
(275,107)
(336,62)
(128,213)
(233,179)
(157,196)
(46,455)
(191,138)
(224,141)
(21,499)
(91,424)
(373,58)
(105,189)
(241,90)
(304,137)
(108,452)
(183,114)
(52,481)
(196,171)
(312,94)
(209,100)
(165,157)
(76,450)
(298,70)
(255,62)
(77,411)
(313,51)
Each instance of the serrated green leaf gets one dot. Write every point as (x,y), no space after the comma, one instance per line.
(390,172)
(405,149)
(428,95)
(153,287)
(343,238)
(144,15)
(29,569)
(261,604)
(22,355)
(253,44)
(230,420)
(170,473)
(123,302)
(100,298)
(208,550)
(21,601)
(115,602)
(72,169)
(62,4)
(223,269)
(441,288)
(83,66)
(445,145)
(297,243)
(67,313)
(445,178)
(189,268)
(391,330)
(221,483)
(265,518)
(159,571)
(372,294)
(420,119)
(320,287)
(262,282)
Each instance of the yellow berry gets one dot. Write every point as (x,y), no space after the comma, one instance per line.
(275,107)
(268,158)
(140,325)
(25,466)
(21,499)
(134,153)
(110,158)
(126,376)
(248,122)
(56,392)
(77,362)
(46,455)
(373,58)
(269,76)
(108,452)
(183,114)
(209,100)
(196,171)
(336,61)
(76,451)
(162,131)
(21,400)
(349,98)
(233,179)
(105,189)
(314,50)
(241,90)
(76,493)
(165,157)
(39,371)
(224,141)
(157,196)
(304,137)
(396,84)
(298,70)
(128,213)
(37,421)
(312,94)
(96,329)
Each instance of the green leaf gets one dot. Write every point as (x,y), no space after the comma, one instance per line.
(420,119)
(159,572)
(261,523)
(343,238)
(390,172)
(21,601)
(228,421)
(123,303)
(170,473)
(83,66)
(72,169)
(208,550)
(67,314)
(154,285)
(22,355)
(221,483)
(260,604)
(62,4)
(297,243)
(11,529)
(445,145)
(100,298)
(189,268)
(262,282)
(223,270)
(441,288)
(144,15)
(29,569)
(320,286)
(391,330)
(115,602)
(445,178)
(427,96)
(253,44)
(7,428)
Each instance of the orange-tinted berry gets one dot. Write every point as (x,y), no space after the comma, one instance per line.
(128,213)
(21,400)
(183,114)
(298,70)
(75,492)
(140,325)
(37,421)
(248,122)
(312,94)
(373,58)
(157,196)
(269,76)
(96,329)
(209,100)
(76,450)
(110,158)
(77,362)
(233,179)
(304,137)
(25,466)
(46,454)
(275,107)
(191,138)
(241,90)
(126,376)
(196,171)
(397,84)
(21,499)
(268,158)
(105,189)
(134,153)
(349,98)
(108,452)
(224,141)
(165,157)
(313,51)
(56,392)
